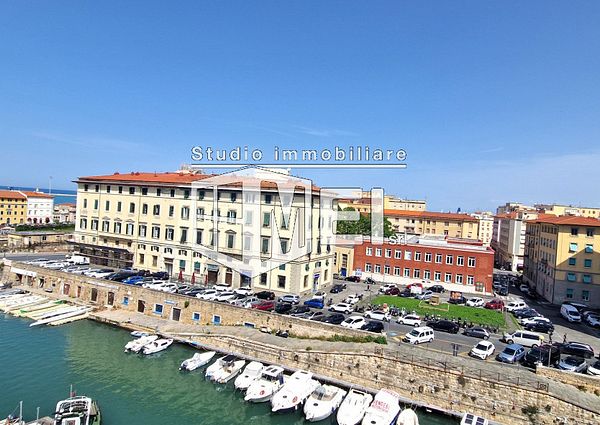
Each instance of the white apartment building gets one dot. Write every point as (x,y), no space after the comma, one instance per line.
(486,226)
(508,238)
(40,207)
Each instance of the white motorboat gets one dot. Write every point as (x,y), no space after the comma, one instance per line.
(213,368)
(20,301)
(77,312)
(354,407)
(54,312)
(407,417)
(293,393)
(138,334)
(251,373)
(157,346)
(471,419)
(196,361)
(77,411)
(227,368)
(138,344)
(261,390)
(323,402)
(383,410)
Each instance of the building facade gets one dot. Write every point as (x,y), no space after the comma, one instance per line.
(485,227)
(162,222)
(562,259)
(465,266)
(40,207)
(65,213)
(508,239)
(557,209)
(433,223)
(13,207)
(363,205)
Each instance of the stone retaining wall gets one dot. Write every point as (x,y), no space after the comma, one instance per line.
(584,383)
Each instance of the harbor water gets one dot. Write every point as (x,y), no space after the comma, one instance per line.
(37,366)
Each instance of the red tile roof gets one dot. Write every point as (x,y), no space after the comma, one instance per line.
(11,194)
(31,194)
(567,220)
(429,215)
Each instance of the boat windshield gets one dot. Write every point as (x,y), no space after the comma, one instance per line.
(322,394)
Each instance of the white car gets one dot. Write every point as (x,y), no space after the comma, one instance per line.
(209,295)
(354,322)
(56,266)
(289,298)
(594,368)
(378,315)
(385,287)
(475,302)
(533,320)
(102,273)
(250,301)
(37,262)
(352,299)
(341,308)
(593,320)
(225,296)
(524,288)
(169,287)
(222,288)
(482,350)
(244,291)
(515,305)
(426,295)
(410,320)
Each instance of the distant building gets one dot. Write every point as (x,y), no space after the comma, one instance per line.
(40,207)
(13,207)
(513,207)
(33,239)
(485,227)
(508,238)
(557,209)
(562,258)
(458,264)
(433,223)
(363,204)
(65,213)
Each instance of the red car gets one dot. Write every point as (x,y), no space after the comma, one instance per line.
(495,304)
(393,291)
(265,306)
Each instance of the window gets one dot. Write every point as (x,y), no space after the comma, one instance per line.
(448,277)
(231,216)
(417,255)
(408,255)
(120,189)
(181,263)
(145,209)
(142,230)
(156,232)
(85,187)
(284,245)
(97,188)
(185,213)
(231,240)
(125,300)
(570,293)
(471,262)
(587,278)
(396,271)
(233,196)
(265,245)
(460,260)
(106,226)
(377,268)
(129,229)
(470,280)
(572,247)
(416,273)
(183,232)
(94,224)
(268,198)
(171,211)
(428,257)
(437,276)
(85,203)
(589,232)
(117,227)
(158,308)
(83,223)
(397,254)
(196,316)
(132,190)
(266,219)
(459,278)
(144,191)
(200,194)
(156,210)
(449,259)
(172,193)
(368,267)
(388,253)
(186,194)
(131,207)
(377,252)
(587,263)
(438,258)
(572,261)
(386,269)
(158,191)
(406,272)
(95,204)
(571,277)
(199,236)
(169,234)
(574,231)
(263,278)
(369,251)
(427,274)
(589,249)
(281,282)
(119,206)
(585,295)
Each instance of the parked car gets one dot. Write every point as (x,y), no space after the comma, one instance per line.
(134,280)
(572,364)
(592,319)
(334,319)
(425,295)
(515,305)
(457,300)
(222,287)
(502,291)
(160,275)
(283,308)
(122,275)
(495,304)
(512,353)
(354,322)
(528,320)
(569,312)
(265,295)
(208,295)
(419,335)
(576,349)
(475,302)
(524,288)
(526,313)
(439,289)
(335,289)
(378,315)
(246,291)
(251,301)
(444,326)
(405,293)
(313,315)
(225,296)
(341,308)
(410,320)
(540,326)
(581,308)
(482,350)
(193,292)
(101,273)
(289,298)
(265,305)
(393,291)
(524,338)
(352,299)
(594,368)
(546,355)
(385,287)
(315,303)
(353,278)
(299,311)
(477,332)
(373,326)
(169,287)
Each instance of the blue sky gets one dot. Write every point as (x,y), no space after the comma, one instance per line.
(493,101)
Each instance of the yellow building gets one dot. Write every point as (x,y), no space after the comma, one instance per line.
(343,260)
(562,259)
(13,207)
(163,222)
(557,209)
(363,205)
(433,223)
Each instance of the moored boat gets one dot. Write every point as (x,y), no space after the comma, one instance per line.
(157,346)
(138,334)
(354,407)
(294,392)
(79,410)
(227,368)
(136,345)
(261,390)
(251,373)
(323,402)
(407,417)
(55,318)
(196,361)
(383,410)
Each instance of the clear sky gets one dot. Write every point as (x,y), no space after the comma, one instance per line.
(493,101)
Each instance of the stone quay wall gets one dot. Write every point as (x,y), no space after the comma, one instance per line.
(188,310)
(585,383)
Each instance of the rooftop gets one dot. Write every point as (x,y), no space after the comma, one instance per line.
(31,194)
(567,220)
(11,194)
(429,215)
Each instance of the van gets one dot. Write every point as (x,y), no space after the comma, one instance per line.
(419,335)
(515,305)
(570,313)
(524,338)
